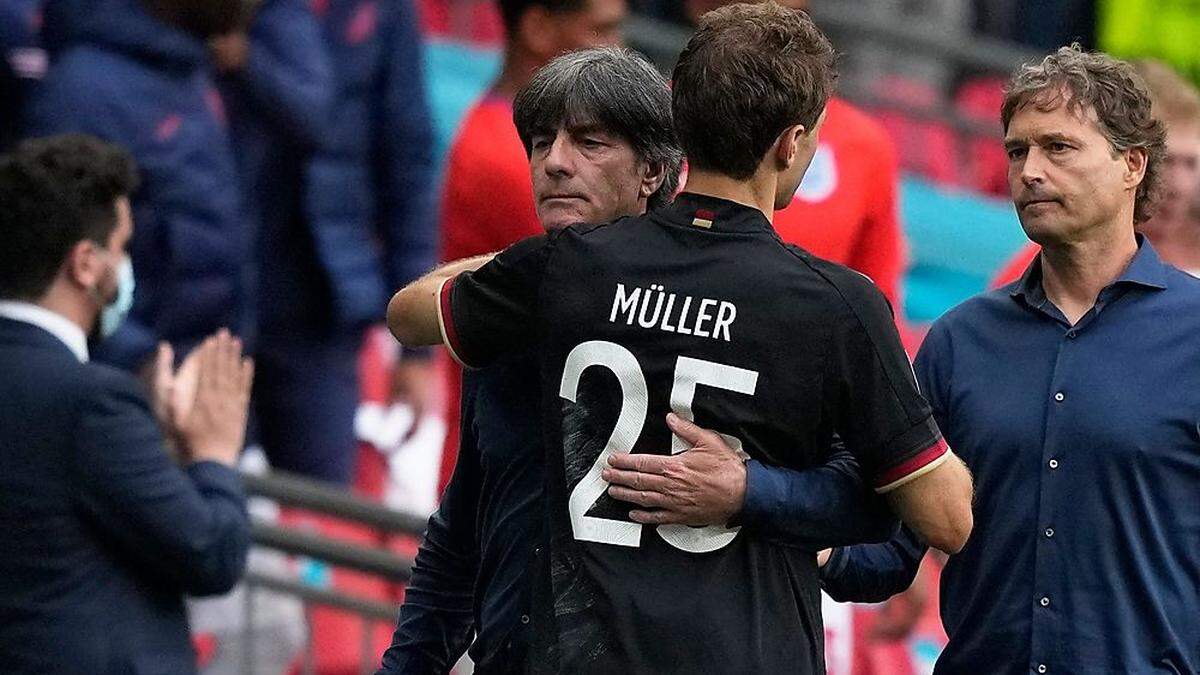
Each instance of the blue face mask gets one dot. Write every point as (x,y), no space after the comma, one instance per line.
(114,313)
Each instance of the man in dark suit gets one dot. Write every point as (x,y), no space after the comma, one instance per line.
(103,533)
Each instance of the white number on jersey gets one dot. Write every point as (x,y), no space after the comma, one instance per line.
(689,373)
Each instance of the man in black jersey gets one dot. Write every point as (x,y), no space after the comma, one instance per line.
(699,310)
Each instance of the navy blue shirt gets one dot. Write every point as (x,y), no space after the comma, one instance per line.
(1085,447)
(471,576)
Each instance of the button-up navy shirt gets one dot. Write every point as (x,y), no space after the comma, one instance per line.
(1085,447)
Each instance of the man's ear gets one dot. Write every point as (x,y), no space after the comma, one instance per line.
(787,146)
(1135,166)
(82,266)
(537,31)
(653,176)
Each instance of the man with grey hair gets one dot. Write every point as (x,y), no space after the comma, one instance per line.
(596,125)
(1072,394)
(598,131)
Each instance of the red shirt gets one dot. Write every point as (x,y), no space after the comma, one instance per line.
(846,208)
(487,205)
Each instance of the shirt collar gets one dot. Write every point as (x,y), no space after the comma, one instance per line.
(1146,269)
(716,214)
(53,323)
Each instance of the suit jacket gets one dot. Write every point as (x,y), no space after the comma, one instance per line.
(101,534)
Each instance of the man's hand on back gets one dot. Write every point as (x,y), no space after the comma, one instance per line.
(212,425)
(705,485)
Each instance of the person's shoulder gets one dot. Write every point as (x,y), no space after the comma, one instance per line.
(1188,282)
(849,286)
(1183,290)
(100,381)
(978,311)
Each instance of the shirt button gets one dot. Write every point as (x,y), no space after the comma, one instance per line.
(537,551)
(525,618)
(1049,531)
(1071,334)
(1054,464)
(1041,668)
(1045,602)
(1059,397)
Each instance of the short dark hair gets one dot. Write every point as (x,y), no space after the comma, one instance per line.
(749,72)
(1111,88)
(54,193)
(511,11)
(614,89)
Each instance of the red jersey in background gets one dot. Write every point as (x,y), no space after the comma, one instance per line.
(487,204)
(846,209)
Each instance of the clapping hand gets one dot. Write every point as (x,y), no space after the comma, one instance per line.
(210,400)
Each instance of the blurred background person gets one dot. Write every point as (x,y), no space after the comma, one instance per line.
(365,226)
(1174,228)
(103,532)
(487,200)
(135,72)
(22,62)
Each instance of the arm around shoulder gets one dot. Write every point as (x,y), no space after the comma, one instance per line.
(413,312)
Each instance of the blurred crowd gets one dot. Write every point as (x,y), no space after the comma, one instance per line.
(289,183)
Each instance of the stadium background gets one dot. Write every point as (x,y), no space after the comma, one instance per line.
(929,70)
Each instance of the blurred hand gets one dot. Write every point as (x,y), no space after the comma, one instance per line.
(705,485)
(183,393)
(229,52)
(213,426)
(823,556)
(413,384)
(158,376)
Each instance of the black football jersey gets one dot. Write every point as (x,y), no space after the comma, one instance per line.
(700,309)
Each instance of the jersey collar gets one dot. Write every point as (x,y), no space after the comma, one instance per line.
(715,214)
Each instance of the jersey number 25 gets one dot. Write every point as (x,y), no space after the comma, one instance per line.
(689,373)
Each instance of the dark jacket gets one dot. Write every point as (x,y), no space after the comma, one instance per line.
(103,533)
(370,185)
(22,61)
(279,105)
(127,77)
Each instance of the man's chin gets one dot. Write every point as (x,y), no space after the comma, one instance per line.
(557,218)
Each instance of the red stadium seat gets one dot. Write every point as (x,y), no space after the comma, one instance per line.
(986,166)
(925,147)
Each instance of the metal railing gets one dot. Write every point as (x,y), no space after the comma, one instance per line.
(294,491)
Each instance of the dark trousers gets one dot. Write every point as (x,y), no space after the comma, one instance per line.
(306,392)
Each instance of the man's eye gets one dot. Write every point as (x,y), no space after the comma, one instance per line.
(1016,153)
(593,143)
(1059,146)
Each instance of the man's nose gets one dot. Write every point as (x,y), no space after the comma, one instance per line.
(560,157)
(1033,167)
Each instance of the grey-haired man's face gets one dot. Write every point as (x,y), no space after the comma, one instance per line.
(587,175)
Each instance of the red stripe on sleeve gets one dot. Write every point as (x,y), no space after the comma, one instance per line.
(912,465)
(451,334)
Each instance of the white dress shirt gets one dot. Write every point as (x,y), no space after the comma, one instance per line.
(56,324)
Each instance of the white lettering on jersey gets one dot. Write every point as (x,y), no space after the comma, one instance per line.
(654,307)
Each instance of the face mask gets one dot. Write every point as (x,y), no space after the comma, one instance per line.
(114,312)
